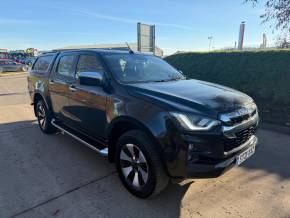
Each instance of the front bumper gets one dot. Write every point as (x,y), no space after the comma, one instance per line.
(209,168)
(204,155)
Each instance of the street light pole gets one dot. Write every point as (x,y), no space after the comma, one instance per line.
(210,41)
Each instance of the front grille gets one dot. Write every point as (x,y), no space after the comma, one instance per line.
(240,115)
(240,119)
(241,137)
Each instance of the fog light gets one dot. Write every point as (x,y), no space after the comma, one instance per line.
(191,153)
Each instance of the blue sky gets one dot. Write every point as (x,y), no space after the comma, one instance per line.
(180,24)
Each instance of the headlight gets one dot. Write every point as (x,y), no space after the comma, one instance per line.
(194,123)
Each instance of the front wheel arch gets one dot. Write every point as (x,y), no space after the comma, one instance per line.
(121,125)
(157,177)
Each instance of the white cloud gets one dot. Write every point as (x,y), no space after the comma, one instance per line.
(106,17)
(131,21)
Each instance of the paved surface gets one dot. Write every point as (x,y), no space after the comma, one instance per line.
(55,176)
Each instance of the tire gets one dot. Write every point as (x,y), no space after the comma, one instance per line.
(23,69)
(139,166)
(44,118)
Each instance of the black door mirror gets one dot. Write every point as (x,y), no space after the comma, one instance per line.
(91,78)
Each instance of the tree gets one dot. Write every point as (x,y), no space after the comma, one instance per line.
(283,42)
(277,11)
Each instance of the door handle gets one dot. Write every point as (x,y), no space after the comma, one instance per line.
(72,88)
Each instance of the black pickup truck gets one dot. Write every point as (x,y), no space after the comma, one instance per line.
(142,113)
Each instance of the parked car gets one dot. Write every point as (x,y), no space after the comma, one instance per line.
(11,66)
(143,114)
(29,61)
(20,61)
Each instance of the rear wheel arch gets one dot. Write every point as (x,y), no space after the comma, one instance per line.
(37,96)
(121,125)
(44,117)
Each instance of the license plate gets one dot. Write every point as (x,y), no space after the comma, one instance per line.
(246,154)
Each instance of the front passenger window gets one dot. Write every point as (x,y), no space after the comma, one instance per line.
(89,63)
(66,66)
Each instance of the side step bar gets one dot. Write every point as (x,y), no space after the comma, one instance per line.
(102,152)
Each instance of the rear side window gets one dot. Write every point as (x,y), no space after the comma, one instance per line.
(42,63)
(66,66)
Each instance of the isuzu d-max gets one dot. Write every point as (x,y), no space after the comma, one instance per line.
(142,113)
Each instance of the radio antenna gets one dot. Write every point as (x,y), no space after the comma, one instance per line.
(130,50)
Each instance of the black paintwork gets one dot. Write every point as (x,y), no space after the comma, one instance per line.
(100,112)
(192,95)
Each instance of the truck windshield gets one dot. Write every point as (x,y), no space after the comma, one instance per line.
(133,68)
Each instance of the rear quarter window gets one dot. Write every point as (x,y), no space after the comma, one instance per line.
(42,63)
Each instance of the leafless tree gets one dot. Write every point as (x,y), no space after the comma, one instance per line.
(276,11)
(283,42)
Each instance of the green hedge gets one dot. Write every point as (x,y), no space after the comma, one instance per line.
(264,75)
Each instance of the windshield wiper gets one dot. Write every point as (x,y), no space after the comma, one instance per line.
(162,80)
(157,81)
(167,80)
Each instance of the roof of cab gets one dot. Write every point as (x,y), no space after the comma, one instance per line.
(100,51)
(105,51)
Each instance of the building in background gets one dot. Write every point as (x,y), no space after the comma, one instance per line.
(123,46)
(3,53)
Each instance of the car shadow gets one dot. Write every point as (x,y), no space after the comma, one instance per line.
(39,169)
